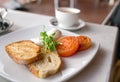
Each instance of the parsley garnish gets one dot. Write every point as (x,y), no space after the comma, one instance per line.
(48,41)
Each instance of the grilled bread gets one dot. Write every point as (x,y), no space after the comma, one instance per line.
(23,52)
(49,65)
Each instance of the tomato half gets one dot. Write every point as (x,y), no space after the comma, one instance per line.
(68,46)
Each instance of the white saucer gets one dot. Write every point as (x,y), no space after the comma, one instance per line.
(77,26)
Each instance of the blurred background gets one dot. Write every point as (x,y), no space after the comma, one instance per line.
(91,10)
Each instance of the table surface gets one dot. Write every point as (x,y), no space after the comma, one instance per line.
(99,69)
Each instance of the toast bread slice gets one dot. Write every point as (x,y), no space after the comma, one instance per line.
(23,52)
(49,65)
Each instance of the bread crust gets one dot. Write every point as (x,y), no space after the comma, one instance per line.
(23,52)
(41,65)
(46,67)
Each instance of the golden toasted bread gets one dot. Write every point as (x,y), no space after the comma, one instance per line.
(49,65)
(23,52)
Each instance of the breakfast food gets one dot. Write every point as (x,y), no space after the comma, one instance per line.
(40,57)
(85,42)
(57,33)
(23,52)
(42,54)
(68,45)
(49,65)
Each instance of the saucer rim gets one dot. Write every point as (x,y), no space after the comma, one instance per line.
(81,24)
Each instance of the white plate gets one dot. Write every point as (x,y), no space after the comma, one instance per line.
(77,26)
(19,73)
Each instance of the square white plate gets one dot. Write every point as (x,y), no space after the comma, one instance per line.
(19,73)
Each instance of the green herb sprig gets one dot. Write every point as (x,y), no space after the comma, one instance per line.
(49,44)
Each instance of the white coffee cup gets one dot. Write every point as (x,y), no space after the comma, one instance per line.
(67,16)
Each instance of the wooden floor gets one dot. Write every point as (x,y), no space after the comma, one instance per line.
(91,10)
